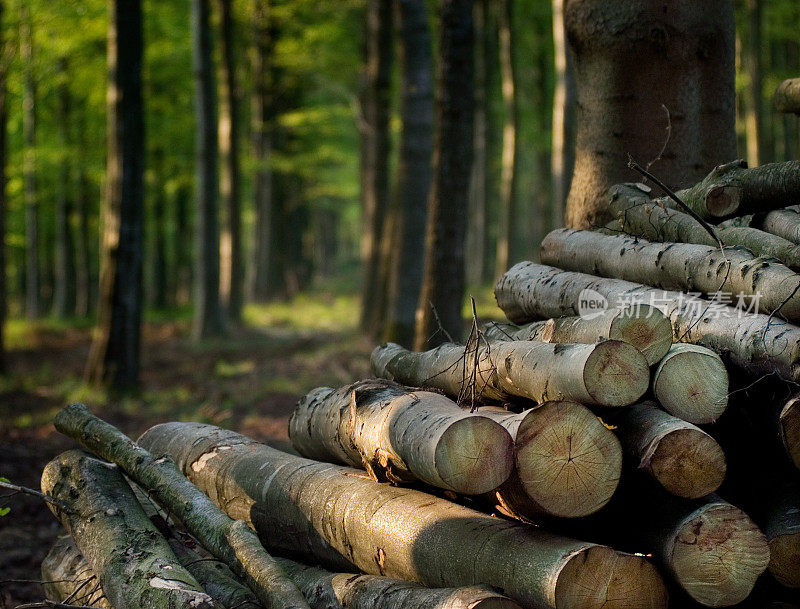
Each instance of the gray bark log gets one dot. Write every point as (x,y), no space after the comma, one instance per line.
(787,96)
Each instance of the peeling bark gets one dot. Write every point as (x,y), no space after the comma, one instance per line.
(340,517)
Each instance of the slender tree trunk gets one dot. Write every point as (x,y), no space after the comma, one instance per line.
(376,108)
(84,292)
(229,128)
(208,315)
(160,267)
(510,152)
(443,280)
(32,277)
(114,355)
(183,257)
(64,294)
(563,128)
(414,170)
(754,116)
(3,177)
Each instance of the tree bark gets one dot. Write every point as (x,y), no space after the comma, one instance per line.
(611,373)
(789,424)
(642,326)
(787,96)
(229,540)
(64,289)
(340,517)
(414,171)
(160,268)
(133,562)
(33,307)
(682,458)
(208,317)
(784,223)
(632,59)
(399,435)
(443,280)
(114,355)
(68,577)
(562,159)
(752,342)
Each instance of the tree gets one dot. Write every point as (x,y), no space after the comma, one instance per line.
(114,354)
(647,55)
(443,280)
(754,123)
(32,279)
(208,317)
(563,151)
(3,152)
(413,170)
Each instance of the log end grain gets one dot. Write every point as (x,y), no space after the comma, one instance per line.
(688,463)
(474,455)
(787,96)
(723,200)
(691,383)
(790,429)
(647,329)
(784,562)
(718,554)
(630,582)
(616,374)
(568,462)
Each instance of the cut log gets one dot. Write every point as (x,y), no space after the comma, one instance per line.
(400,435)
(133,562)
(691,383)
(787,96)
(611,373)
(340,517)
(782,528)
(755,343)
(682,458)
(638,215)
(230,541)
(783,223)
(567,462)
(643,327)
(730,276)
(790,429)
(68,577)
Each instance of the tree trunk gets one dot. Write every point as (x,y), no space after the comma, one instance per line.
(611,373)
(510,151)
(182,253)
(68,577)
(375,112)
(443,280)
(208,316)
(642,326)
(682,458)
(341,518)
(752,342)
(784,223)
(114,354)
(160,268)
(414,170)
(640,59)
(64,289)
(789,424)
(3,200)
(33,307)
(232,271)
(133,562)
(229,540)
(754,115)
(563,127)
(85,288)
(398,435)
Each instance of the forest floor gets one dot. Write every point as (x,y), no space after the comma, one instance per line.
(249,381)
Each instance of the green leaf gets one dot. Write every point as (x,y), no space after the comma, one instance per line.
(6,480)
(4,511)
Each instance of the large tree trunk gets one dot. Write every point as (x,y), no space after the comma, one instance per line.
(413,172)
(208,316)
(340,517)
(401,435)
(232,271)
(375,112)
(611,373)
(752,342)
(562,160)
(114,354)
(133,562)
(32,279)
(632,58)
(229,540)
(443,281)
(64,289)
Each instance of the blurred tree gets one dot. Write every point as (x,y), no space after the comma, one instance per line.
(563,127)
(753,65)
(3,178)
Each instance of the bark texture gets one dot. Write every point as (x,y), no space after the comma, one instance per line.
(789,420)
(340,517)
(69,578)
(611,373)
(682,458)
(642,326)
(787,96)
(397,435)
(752,342)
(783,223)
(632,58)
(133,562)
(229,540)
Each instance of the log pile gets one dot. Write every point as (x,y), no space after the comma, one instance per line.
(626,439)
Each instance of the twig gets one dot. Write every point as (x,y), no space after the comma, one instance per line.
(666,140)
(30,491)
(439,323)
(52,605)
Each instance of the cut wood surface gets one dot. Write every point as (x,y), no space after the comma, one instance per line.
(755,343)
(68,577)
(682,458)
(787,96)
(230,541)
(782,528)
(400,434)
(784,223)
(568,463)
(133,562)
(732,276)
(790,429)
(339,516)
(642,326)
(610,373)
(691,382)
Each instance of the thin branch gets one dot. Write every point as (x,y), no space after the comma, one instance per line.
(35,493)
